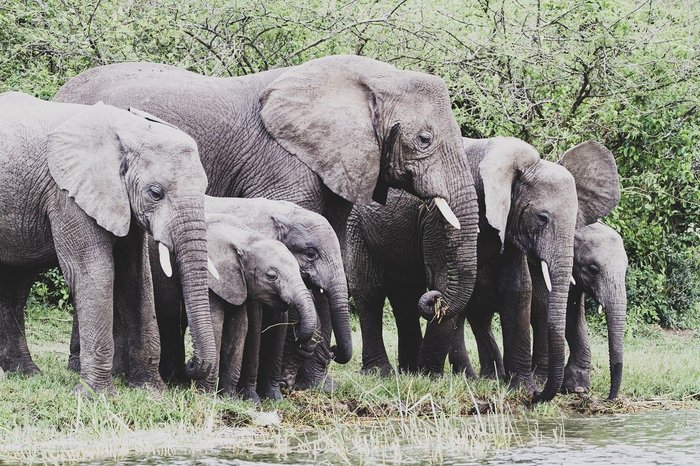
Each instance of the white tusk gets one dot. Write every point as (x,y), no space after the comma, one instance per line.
(573,282)
(165,264)
(600,308)
(545,274)
(212,269)
(447,212)
(320,290)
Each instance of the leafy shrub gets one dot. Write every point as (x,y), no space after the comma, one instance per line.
(553,72)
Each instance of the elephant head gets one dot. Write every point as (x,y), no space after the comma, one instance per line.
(600,266)
(123,166)
(253,267)
(314,244)
(362,126)
(537,205)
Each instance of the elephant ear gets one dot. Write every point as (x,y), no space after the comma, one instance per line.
(504,160)
(326,113)
(85,158)
(597,183)
(231,285)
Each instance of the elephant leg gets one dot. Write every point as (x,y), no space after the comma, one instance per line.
(172,324)
(272,342)
(515,295)
(248,380)
(74,356)
(314,370)
(233,330)
(458,356)
(577,373)
(14,352)
(88,266)
(490,359)
(135,324)
(404,303)
(370,306)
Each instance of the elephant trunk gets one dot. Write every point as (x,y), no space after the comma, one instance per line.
(616,315)
(190,249)
(556,324)
(340,319)
(453,251)
(307,325)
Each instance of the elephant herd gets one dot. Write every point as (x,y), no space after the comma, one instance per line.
(243,209)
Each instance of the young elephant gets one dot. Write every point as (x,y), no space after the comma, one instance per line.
(253,271)
(600,267)
(81,186)
(312,241)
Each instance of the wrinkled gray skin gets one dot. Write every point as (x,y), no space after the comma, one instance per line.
(81,186)
(312,241)
(600,267)
(325,135)
(253,271)
(397,251)
(531,208)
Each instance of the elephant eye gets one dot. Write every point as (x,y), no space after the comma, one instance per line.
(543,218)
(594,269)
(425,139)
(271,275)
(310,254)
(156,192)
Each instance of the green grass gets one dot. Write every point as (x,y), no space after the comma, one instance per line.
(367,419)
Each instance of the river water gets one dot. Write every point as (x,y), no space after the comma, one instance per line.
(648,438)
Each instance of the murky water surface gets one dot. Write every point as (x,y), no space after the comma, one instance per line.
(650,438)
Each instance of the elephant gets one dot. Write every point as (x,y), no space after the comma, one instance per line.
(600,267)
(314,245)
(529,211)
(253,270)
(82,186)
(325,134)
(395,251)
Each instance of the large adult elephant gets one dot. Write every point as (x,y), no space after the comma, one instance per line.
(80,186)
(326,134)
(529,211)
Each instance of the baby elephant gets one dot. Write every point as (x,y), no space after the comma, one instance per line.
(253,270)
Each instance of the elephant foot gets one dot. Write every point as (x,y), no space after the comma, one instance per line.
(524,382)
(89,392)
(465,370)
(24,367)
(576,380)
(249,394)
(271,393)
(74,363)
(152,382)
(383,369)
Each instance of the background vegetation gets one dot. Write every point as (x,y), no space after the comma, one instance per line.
(553,72)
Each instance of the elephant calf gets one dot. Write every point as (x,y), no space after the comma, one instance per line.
(600,265)
(80,186)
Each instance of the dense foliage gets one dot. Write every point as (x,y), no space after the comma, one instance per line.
(553,72)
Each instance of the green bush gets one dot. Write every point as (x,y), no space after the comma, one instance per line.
(553,72)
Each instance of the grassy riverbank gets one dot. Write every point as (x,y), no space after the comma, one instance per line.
(367,419)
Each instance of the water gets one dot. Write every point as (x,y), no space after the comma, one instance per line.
(649,438)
